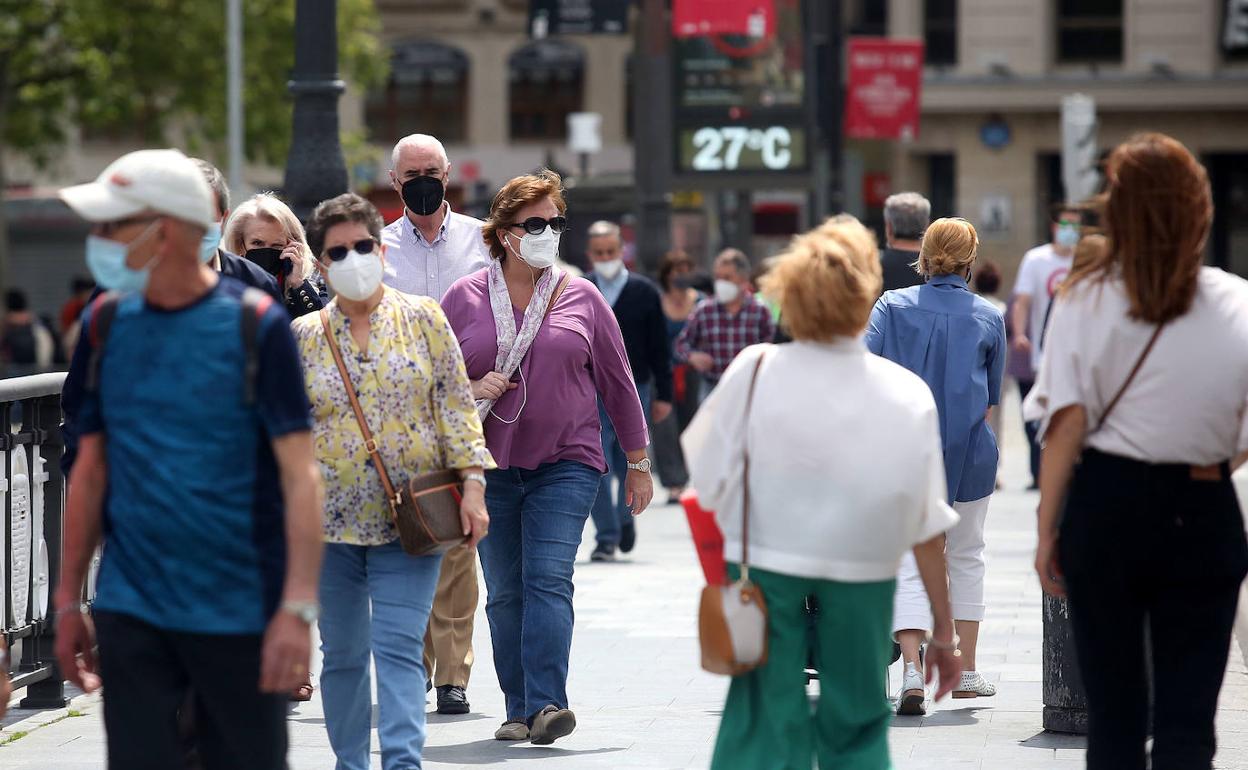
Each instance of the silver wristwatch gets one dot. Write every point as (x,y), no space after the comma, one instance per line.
(643,465)
(308,612)
(477,477)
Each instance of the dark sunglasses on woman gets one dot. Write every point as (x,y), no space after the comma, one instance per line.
(339,253)
(537,225)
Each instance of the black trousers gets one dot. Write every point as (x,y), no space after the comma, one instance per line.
(1032,429)
(147,673)
(1150,546)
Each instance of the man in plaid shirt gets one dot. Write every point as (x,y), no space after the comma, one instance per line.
(722,327)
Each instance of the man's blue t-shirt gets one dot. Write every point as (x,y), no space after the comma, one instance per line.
(194,535)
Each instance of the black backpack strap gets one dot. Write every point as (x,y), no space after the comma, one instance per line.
(103,311)
(256,302)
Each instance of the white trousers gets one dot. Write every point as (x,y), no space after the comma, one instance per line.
(964,554)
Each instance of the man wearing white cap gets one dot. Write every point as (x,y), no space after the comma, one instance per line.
(196,471)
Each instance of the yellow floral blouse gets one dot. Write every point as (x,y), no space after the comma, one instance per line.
(415,395)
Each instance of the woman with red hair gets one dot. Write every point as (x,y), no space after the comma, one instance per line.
(1142,396)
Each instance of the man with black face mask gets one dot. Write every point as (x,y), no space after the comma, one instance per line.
(429,248)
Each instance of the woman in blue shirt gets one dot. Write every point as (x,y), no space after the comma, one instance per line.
(955,341)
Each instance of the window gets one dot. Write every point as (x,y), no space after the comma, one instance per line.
(427,93)
(867,17)
(942,185)
(940,32)
(547,80)
(1235,31)
(1089,31)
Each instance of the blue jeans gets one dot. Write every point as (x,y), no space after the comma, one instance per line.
(400,590)
(536,521)
(611,512)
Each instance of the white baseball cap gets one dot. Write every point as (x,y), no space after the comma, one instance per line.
(164,181)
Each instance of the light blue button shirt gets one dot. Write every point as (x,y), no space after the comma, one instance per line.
(955,341)
(416,266)
(613,287)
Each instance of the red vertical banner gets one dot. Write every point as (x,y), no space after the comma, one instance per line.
(885,84)
(698,18)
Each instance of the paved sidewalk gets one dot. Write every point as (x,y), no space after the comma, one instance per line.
(643,702)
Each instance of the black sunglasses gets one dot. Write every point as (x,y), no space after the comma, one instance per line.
(537,225)
(339,253)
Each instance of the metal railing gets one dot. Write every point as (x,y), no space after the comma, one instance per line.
(33,491)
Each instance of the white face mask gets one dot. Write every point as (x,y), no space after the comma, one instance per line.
(726,291)
(357,276)
(540,250)
(609,269)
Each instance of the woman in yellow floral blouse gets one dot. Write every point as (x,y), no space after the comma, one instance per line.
(407,369)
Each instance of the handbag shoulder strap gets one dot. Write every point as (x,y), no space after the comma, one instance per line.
(554,296)
(369,443)
(745,474)
(1139,363)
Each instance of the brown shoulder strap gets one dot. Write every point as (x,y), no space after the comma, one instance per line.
(369,443)
(554,297)
(1113,402)
(745,474)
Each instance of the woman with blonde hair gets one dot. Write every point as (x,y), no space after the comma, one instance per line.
(955,341)
(1142,396)
(843,479)
(264,231)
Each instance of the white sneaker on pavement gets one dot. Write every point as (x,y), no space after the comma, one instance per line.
(973,685)
(912,696)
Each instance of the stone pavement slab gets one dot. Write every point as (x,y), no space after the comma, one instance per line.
(643,702)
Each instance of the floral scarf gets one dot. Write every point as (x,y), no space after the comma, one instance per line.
(514,344)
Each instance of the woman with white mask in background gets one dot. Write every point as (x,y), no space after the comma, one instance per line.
(407,371)
(541,347)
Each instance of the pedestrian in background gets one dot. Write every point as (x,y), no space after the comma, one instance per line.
(408,374)
(1141,401)
(429,248)
(81,290)
(843,479)
(635,302)
(25,340)
(678,301)
(955,341)
(721,327)
(265,232)
(987,285)
(1041,272)
(906,215)
(195,471)
(541,347)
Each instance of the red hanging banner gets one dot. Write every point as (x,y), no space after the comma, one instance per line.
(885,83)
(701,18)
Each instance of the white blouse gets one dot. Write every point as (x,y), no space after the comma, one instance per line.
(1189,402)
(846,469)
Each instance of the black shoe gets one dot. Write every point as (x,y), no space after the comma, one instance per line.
(428,685)
(603,553)
(452,700)
(628,537)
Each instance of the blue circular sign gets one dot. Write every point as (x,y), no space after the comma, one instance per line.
(995,133)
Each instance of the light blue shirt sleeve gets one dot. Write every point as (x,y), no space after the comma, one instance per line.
(996,360)
(877,327)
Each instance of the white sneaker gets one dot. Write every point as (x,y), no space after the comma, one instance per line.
(973,685)
(912,696)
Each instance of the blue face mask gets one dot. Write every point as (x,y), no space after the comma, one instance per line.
(212,239)
(107,262)
(1067,235)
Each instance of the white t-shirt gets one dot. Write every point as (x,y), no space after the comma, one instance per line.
(1189,401)
(1041,272)
(846,468)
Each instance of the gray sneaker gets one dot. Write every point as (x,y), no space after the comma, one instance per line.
(512,730)
(552,723)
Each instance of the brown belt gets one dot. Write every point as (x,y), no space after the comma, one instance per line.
(1208,472)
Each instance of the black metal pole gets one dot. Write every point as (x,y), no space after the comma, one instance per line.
(315,168)
(826,44)
(652,133)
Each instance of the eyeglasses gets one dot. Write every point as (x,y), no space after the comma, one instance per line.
(537,225)
(339,253)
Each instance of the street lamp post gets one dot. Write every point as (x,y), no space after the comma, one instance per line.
(315,168)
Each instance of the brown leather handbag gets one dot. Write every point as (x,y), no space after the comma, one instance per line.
(732,619)
(426,507)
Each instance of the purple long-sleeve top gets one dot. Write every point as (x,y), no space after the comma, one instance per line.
(577,356)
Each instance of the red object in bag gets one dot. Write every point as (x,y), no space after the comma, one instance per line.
(707,539)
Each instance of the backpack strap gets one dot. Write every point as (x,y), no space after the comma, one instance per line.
(103,311)
(256,302)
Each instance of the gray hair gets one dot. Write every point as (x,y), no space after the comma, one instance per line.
(216,180)
(604,229)
(736,259)
(418,141)
(907,214)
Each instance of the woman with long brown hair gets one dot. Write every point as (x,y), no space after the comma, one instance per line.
(1141,396)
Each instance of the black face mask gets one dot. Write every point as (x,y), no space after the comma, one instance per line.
(269,260)
(682,282)
(423,195)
